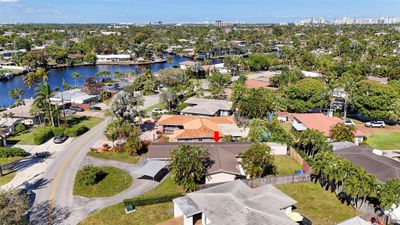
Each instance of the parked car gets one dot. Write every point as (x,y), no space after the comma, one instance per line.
(97,108)
(76,108)
(375,124)
(60,139)
(349,122)
(159,111)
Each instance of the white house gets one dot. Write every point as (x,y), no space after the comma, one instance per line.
(113,58)
(311,74)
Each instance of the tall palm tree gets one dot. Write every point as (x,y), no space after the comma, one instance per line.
(41,74)
(76,76)
(30,79)
(17,94)
(169,97)
(43,93)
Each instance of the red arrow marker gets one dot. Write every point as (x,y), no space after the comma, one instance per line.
(216,136)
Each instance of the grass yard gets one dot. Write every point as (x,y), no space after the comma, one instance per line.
(144,215)
(320,206)
(385,140)
(25,138)
(7,177)
(159,105)
(4,161)
(286,165)
(117,156)
(115,182)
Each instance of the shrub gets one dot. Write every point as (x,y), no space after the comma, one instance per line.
(42,135)
(144,200)
(91,175)
(58,131)
(11,152)
(76,131)
(20,128)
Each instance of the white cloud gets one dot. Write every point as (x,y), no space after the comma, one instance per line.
(1,1)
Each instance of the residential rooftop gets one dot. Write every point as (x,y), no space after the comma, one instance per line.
(207,107)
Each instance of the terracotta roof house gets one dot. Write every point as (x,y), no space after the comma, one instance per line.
(207,107)
(384,168)
(183,128)
(321,122)
(225,166)
(235,203)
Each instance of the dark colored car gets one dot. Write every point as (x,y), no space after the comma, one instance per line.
(76,108)
(60,139)
(97,108)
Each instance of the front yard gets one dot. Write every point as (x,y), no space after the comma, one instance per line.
(320,206)
(144,215)
(114,182)
(385,140)
(8,175)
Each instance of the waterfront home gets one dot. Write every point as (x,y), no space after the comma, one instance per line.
(234,203)
(7,125)
(224,157)
(207,107)
(113,58)
(181,128)
(73,96)
(23,112)
(186,65)
(320,122)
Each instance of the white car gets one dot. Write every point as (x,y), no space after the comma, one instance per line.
(159,111)
(349,122)
(375,124)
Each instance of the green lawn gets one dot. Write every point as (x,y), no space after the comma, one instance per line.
(115,182)
(7,177)
(320,206)
(117,156)
(4,161)
(26,138)
(286,165)
(385,140)
(144,215)
(159,105)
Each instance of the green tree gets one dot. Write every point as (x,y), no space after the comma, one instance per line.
(65,85)
(389,194)
(133,143)
(124,105)
(17,94)
(258,62)
(169,98)
(258,161)
(217,84)
(311,142)
(341,132)
(307,94)
(257,129)
(43,93)
(13,207)
(189,165)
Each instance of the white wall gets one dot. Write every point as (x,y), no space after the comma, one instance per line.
(219,177)
(187,220)
(177,211)
(287,210)
(204,219)
(277,149)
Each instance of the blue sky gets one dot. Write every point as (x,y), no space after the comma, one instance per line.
(251,11)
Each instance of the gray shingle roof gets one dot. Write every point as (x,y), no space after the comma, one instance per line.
(204,106)
(237,203)
(354,221)
(382,167)
(188,207)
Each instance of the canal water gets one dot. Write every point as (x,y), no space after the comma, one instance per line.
(56,76)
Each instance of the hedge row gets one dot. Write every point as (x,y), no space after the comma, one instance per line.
(12,152)
(42,135)
(142,201)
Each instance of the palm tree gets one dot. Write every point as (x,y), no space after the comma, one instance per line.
(30,79)
(76,76)
(41,74)
(169,97)
(170,59)
(17,94)
(43,93)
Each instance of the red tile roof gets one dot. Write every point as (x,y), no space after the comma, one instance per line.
(321,122)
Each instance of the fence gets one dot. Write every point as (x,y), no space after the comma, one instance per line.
(300,160)
(368,211)
(258,182)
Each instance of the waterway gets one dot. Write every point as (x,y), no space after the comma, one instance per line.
(56,76)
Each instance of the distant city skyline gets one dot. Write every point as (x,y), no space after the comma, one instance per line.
(171,11)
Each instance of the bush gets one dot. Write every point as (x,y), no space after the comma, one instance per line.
(91,175)
(58,131)
(11,152)
(144,200)
(42,135)
(20,128)
(76,131)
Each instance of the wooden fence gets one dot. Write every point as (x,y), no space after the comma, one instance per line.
(258,182)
